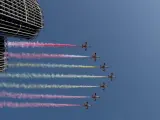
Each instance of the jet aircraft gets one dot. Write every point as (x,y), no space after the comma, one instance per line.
(94,56)
(86,105)
(103,67)
(111,76)
(85,46)
(94,96)
(103,86)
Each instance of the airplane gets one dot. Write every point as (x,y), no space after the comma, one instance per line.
(104,66)
(111,76)
(103,85)
(94,56)
(94,96)
(85,45)
(86,105)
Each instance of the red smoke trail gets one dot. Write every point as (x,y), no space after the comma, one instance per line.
(38,44)
(34,105)
(42,55)
(38,96)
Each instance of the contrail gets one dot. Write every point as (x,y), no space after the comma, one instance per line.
(48,65)
(37,96)
(46,76)
(42,86)
(34,105)
(41,55)
(38,44)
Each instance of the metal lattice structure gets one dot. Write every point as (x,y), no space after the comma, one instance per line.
(20,18)
(3,50)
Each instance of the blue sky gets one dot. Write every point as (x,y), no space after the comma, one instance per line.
(124,33)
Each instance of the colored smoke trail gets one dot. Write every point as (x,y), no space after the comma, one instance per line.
(42,86)
(42,55)
(38,44)
(34,105)
(46,76)
(49,65)
(37,96)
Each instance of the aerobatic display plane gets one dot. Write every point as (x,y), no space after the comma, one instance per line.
(94,56)
(103,86)
(86,105)
(85,46)
(111,76)
(103,67)
(94,96)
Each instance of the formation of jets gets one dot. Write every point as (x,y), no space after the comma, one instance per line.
(104,68)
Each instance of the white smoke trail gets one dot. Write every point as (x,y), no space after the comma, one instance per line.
(46,76)
(34,105)
(42,86)
(49,65)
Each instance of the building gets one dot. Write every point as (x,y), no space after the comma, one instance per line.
(20,18)
(3,49)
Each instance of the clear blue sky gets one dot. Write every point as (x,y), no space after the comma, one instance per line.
(125,33)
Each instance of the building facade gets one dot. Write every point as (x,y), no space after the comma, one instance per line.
(3,50)
(20,18)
